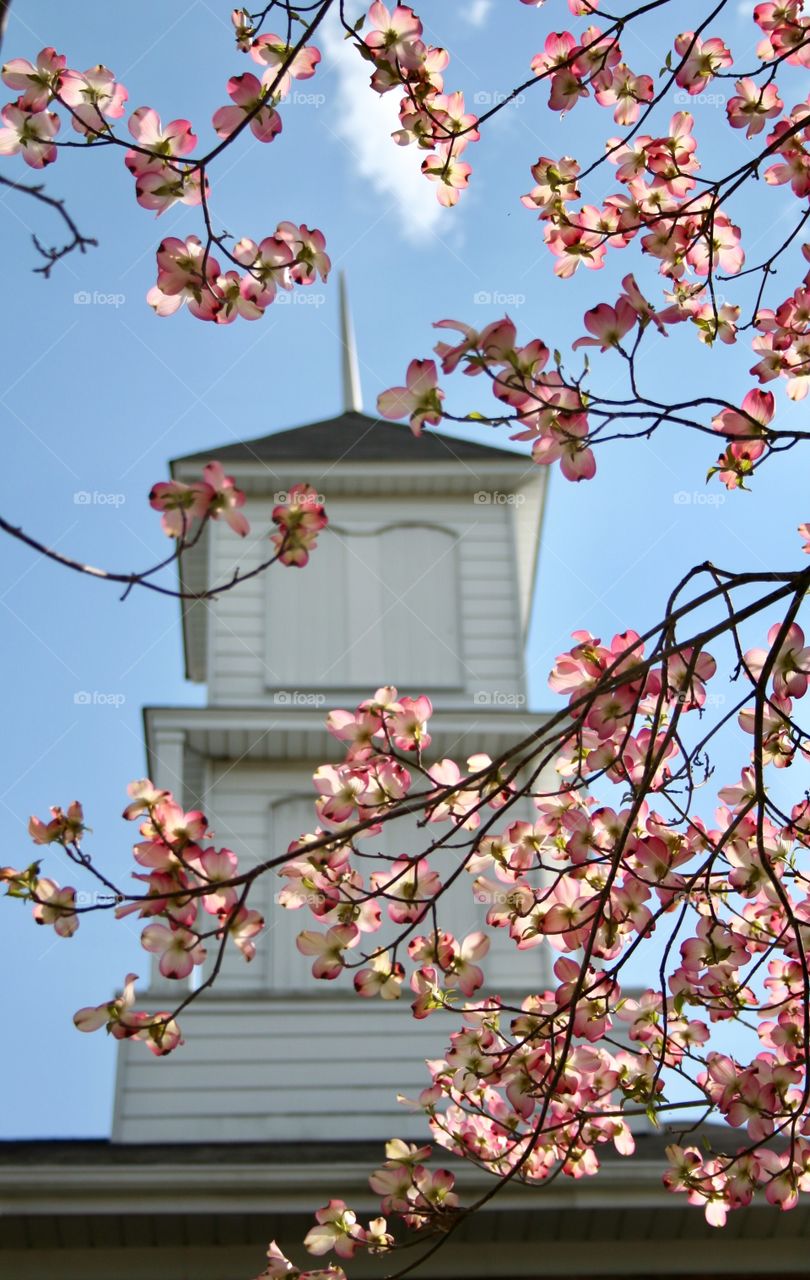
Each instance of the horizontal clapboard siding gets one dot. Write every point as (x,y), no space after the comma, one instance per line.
(275,1070)
(245,667)
(272,1053)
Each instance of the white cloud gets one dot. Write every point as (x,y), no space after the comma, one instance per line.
(365,122)
(477,12)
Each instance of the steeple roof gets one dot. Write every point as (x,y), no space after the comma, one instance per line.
(352,437)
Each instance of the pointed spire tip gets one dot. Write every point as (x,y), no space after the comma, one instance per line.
(350,371)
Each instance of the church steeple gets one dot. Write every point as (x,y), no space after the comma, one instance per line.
(350,372)
(423,578)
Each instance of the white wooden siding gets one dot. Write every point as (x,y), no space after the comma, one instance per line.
(274,1070)
(250,666)
(387,612)
(273,1053)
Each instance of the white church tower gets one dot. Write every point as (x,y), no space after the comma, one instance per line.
(423,579)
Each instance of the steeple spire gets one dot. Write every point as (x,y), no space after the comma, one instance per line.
(352,395)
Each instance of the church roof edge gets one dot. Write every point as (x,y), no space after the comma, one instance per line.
(353,437)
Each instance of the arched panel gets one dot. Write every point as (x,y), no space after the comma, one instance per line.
(374,607)
(287,969)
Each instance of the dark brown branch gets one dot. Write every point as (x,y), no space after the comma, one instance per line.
(54,253)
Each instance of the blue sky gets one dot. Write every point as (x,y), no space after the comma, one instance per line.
(95,398)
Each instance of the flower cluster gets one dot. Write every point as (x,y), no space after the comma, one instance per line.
(189,892)
(556,412)
(435,121)
(300,519)
(549,413)
(659,172)
(407,1187)
(53,904)
(212,497)
(422,1197)
(337,1228)
(92,98)
(158,1031)
(161,179)
(279,1267)
(574,67)
(746,429)
(176,860)
(709,1182)
(677,218)
(685,229)
(783,342)
(386,738)
(161,162)
(684,232)
(189,273)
